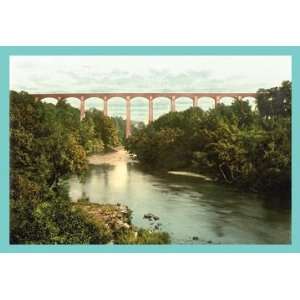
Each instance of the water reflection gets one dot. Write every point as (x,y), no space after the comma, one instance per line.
(187,206)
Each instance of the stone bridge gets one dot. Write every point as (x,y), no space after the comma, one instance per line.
(195,98)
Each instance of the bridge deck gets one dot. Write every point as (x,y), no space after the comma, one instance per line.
(146,95)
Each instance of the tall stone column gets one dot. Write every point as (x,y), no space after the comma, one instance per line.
(150,119)
(105,106)
(195,101)
(128,117)
(240,99)
(173,107)
(82,108)
(217,100)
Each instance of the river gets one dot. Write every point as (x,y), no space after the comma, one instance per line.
(191,209)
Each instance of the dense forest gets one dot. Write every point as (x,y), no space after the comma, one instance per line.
(48,143)
(250,149)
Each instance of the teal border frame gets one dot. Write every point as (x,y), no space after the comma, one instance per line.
(7,51)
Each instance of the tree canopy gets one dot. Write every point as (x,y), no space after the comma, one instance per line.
(48,143)
(246,148)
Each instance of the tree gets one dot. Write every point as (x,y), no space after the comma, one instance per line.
(276,101)
(249,149)
(47,144)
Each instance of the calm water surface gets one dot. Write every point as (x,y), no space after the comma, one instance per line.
(187,207)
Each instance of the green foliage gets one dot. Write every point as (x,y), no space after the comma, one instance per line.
(48,143)
(89,137)
(250,149)
(104,127)
(275,101)
(120,124)
(143,236)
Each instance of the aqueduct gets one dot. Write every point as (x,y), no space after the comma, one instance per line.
(195,97)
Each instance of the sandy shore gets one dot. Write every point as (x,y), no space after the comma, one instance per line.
(119,155)
(190,174)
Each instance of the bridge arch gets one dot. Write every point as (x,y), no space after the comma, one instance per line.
(73,101)
(116,106)
(206,103)
(161,106)
(49,100)
(251,101)
(227,100)
(140,109)
(183,103)
(94,102)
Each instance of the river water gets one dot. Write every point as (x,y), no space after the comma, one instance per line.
(191,209)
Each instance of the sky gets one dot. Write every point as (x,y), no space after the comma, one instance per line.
(50,74)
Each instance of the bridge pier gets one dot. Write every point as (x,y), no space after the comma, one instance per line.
(173,107)
(82,108)
(217,100)
(195,101)
(105,106)
(128,117)
(150,117)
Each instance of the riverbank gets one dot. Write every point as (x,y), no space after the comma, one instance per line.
(190,209)
(190,174)
(120,155)
(114,157)
(114,223)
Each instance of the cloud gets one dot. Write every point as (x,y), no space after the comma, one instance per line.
(116,74)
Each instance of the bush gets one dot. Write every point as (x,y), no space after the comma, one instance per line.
(143,236)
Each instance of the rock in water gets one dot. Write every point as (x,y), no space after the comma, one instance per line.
(148,216)
(151,216)
(156,227)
